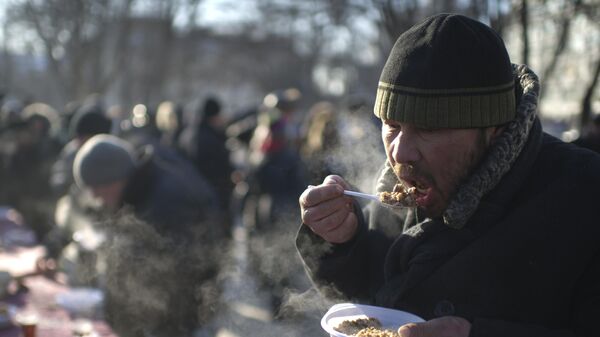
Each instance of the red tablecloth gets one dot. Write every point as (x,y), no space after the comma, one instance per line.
(53,321)
(40,294)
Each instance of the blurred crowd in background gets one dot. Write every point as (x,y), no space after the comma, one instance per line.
(143,200)
(187,177)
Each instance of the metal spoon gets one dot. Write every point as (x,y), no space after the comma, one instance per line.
(362,195)
(370,197)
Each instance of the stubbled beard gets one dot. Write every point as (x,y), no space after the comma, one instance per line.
(476,156)
(472,158)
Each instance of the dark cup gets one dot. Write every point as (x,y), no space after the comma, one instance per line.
(28,323)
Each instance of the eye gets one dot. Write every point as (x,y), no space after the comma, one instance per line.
(392,125)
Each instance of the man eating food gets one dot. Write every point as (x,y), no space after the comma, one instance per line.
(492,247)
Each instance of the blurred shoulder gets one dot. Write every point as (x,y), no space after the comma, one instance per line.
(569,158)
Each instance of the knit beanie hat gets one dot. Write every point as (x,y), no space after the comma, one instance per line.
(449,71)
(211,107)
(89,120)
(103,159)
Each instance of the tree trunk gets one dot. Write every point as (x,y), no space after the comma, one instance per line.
(120,50)
(524,16)
(569,10)
(586,104)
(7,65)
(561,44)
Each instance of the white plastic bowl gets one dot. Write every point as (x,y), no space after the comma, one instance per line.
(389,318)
(81,301)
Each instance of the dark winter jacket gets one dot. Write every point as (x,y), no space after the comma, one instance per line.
(163,251)
(170,195)
(524,261)
(25,168)
(204,146)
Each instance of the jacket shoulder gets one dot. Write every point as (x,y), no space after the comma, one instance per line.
(569,160)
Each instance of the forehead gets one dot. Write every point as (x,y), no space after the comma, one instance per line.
(445,133)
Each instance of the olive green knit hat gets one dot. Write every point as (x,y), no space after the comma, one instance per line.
(449,71)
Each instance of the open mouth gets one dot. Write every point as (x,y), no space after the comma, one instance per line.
(421,187)
(423,191)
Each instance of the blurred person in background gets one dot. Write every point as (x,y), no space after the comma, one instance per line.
(87,121)
(276,178)
(74,239)
(277,172)
(321,142)
(502,238)
(286,102)
(29,148)
(239,132)
(10,113)
(203,143)
(169,122)
(164,239)
(66,116)
(591,137)
(138,127)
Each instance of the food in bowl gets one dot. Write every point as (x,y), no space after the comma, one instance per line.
(375,332)
(351,327)
(364,327)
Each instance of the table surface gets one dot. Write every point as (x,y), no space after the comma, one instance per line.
(39,297)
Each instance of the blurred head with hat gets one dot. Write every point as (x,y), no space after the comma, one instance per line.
(104,164)
(89,120)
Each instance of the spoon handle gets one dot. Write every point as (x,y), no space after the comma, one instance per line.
(361,195)
(357,194)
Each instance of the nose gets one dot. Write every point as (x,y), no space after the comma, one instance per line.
(405,148)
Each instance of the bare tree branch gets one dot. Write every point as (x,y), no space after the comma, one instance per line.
(524,19)
(567,14)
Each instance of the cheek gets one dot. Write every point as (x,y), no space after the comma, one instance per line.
(453,167)
(446,168)
(388,138)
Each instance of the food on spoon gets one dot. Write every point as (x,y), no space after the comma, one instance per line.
(351,327)
(400,196)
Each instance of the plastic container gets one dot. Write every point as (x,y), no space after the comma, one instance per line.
(81,302)
(390,319)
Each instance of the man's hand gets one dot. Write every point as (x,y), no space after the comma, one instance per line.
(448,326)
(328,212)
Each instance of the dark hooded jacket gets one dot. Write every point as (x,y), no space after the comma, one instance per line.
(517,252)
(163,252)
(169,194)
(204,145)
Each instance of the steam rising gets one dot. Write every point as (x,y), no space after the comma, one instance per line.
(255,285)
(155,281)
(360,154)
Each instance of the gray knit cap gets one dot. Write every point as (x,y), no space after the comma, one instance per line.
(103,159)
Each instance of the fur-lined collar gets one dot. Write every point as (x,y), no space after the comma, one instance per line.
(499,159)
